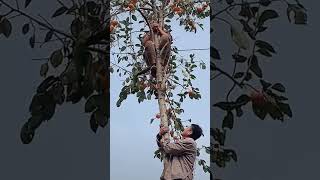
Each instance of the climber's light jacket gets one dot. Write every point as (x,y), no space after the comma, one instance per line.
(179,158)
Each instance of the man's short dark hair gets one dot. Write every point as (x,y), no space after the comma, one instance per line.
(196,131)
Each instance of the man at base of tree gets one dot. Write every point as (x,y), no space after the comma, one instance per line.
(179,155)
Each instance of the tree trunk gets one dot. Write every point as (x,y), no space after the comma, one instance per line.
(161,84)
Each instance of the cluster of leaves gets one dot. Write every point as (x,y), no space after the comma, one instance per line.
(131,56)
(80,64)
(129,59)
(266,98)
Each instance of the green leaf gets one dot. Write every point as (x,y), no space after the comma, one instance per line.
(73,9)
(265,2)
(100,118)
(93,123)
(59,11)
(26,134)
(91,104)
(92,6)
(246,11)
(123,48)
(239,58)
(259,111)
(203,66)
(262,29)
(42,104)
(231,153)
(48,36)
(56,58)
(32,40)
(240,38)
(44,69)
(267,15)
(300,16)
(279,87)
(214,53)
(134,17)
(265,45)
(26,3)
(229,1)
(25,28)
(5,27)
(238,75)
(274,111)
(285,108)
(243,100)
(151,121)
(248,77)
(76,27)
(35,122)
(225,105)
(264,52)
(265,84)
(239,111)
(228,120)
(254,67)
(46,83)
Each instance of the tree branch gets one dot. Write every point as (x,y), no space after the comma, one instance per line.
(228,75)
(36,20)
(238,4)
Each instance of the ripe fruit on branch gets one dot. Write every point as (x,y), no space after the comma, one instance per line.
(158,116)
(199,10)
(177,10)
(158,86)
(258,98)
(171,133)
(114,23)
(111,28)
(175,138)
(190,92)
(142,86)
(192,24)
(131,7)
(134,2)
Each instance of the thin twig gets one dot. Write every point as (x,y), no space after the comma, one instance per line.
(233,73)
(215,76)
(228,75)
(237,4)
(114,64)
(51,27)
(199,49)
(39,59)
(36,20)
(17,5)
(14,16)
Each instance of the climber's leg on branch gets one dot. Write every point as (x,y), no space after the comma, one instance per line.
(165,48)
(150,57)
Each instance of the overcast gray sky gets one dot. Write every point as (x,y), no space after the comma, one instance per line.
(270,150)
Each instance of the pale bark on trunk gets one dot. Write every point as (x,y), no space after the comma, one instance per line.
(161,81)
